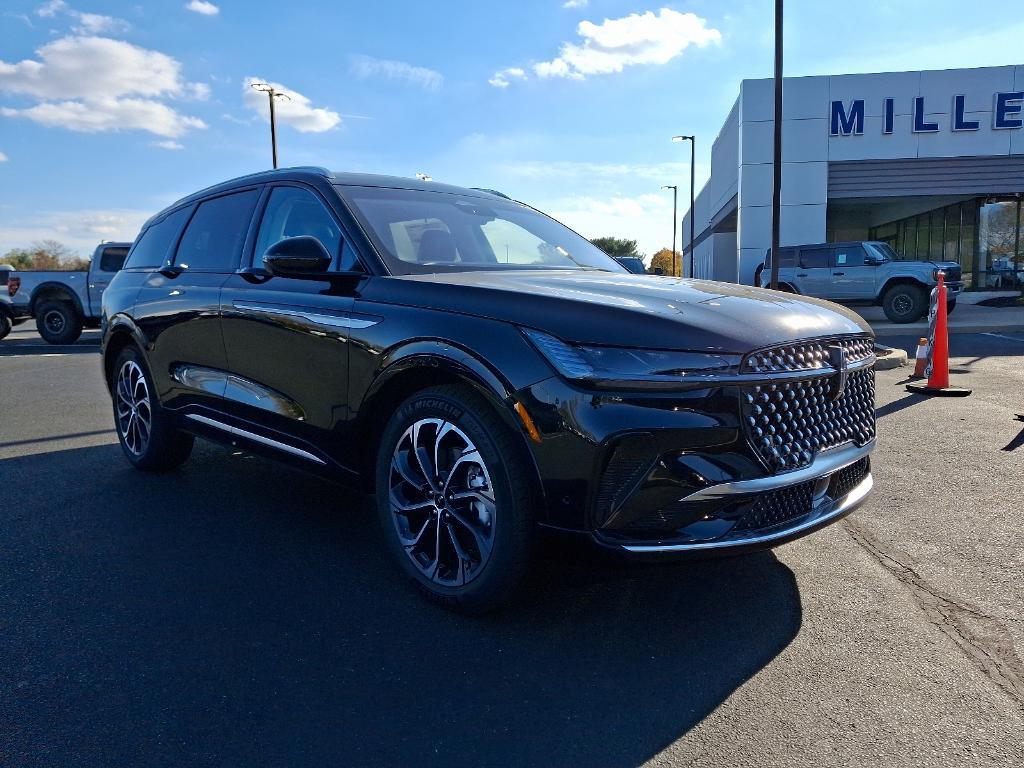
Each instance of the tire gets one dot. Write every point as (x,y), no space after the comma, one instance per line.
(154,447)
(905,303)
(5,325)
(58,322)
(468,552)
(950,306)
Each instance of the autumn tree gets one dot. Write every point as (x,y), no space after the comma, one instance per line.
(44,255)
(663,260)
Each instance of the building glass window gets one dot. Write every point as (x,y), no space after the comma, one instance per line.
(998,234)
(951,240)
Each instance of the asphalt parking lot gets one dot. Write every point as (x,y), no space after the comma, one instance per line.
(240,613)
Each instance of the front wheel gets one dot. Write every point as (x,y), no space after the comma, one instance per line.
(58,322)
(5,325)
(455,498)
(905,303)
(950,306)
(148,437)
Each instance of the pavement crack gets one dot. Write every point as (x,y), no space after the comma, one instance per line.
(982,638)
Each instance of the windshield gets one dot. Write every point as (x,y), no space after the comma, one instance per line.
(419,232)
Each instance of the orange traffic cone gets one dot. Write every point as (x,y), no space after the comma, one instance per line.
(938,382)
(922,358)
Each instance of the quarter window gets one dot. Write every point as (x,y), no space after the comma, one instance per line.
(214,237)
(292,212)
(815,258)
(112,259)
(151,247)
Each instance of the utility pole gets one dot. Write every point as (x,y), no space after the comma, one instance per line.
(693,159)
(272,93)
(777,149)
(675,195)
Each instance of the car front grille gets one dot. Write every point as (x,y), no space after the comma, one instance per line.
(777,507)
(788,422)
(953,274)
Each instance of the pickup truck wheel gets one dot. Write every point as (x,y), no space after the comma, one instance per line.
(455,498)
(147,434)
(905,303)
(5,325)
(58,322)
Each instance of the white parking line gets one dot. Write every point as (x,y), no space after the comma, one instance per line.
(1001,336)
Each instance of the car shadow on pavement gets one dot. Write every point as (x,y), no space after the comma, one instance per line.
(240,613)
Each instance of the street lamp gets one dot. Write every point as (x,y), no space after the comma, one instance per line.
(272,93)
(777,151)
(423,176)
(693,155)
(675,195)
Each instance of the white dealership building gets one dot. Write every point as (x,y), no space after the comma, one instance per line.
(931,162)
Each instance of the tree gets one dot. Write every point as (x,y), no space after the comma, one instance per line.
(45,254)
(616,246)
(663,259)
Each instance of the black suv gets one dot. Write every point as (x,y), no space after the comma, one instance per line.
(486,372)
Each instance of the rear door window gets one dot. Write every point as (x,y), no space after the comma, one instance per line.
(112,259)
(815,258)
(213,239)
(151,248)
(850,256)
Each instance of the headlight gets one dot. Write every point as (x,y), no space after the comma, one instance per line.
(640,368)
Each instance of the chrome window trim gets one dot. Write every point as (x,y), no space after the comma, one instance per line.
(320,318)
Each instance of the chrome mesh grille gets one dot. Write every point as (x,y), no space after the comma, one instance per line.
(789,422)
(806,355)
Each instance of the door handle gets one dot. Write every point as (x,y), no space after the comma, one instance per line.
(801,274)
(838,274)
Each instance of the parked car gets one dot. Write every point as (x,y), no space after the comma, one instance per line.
(10,315)
(632,264)
(864,272)
(487,372)
(64,302)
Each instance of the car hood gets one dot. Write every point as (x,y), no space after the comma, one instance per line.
(626,310)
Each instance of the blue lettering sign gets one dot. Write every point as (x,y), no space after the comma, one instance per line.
(1008,105)
(843,123)
(920,124)
(890,115)
(961,123)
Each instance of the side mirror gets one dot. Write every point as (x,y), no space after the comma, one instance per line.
(658,271)
(302,257)
(871,261)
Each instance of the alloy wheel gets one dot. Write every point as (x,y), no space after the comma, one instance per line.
(134,412)
(442,502)
(54,322)
(902,304)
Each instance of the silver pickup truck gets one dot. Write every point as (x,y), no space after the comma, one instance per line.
(65,302)
(863,272)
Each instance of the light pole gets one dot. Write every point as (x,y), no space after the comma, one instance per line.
(777,150)
(675,195)
(272,93)
(693,156)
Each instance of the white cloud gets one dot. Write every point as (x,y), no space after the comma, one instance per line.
(97,23)
(168,144)
(78,229)
(503,77)
(50,9)
(640,38)
(295,111)
(92,84)
(367,67)
(575,4)
(202,7)
(3,157)
(595,173)
(108,114)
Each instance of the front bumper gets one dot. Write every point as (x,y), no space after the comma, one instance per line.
(836,482)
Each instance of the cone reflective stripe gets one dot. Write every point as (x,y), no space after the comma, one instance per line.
(923,351)
(937,369)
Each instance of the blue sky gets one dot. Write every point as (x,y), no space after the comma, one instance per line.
(111,110)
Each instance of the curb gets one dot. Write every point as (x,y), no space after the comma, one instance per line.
(889,357)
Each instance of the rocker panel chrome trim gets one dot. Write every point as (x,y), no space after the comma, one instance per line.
(244,433)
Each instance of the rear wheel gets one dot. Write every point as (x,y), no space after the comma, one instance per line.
(58,322)
(5,325)
(905,303)
(148,437)
(455,498)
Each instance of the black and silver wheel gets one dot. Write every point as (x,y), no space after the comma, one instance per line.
(5,324)
(147,435)
(455,498)
(905,303)
(58,322)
